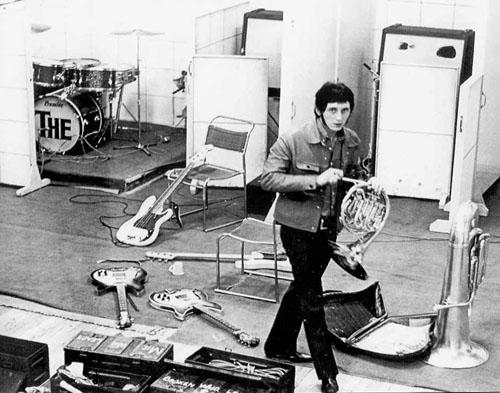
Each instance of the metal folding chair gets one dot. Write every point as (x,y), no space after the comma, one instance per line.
(252,231)
(225,134)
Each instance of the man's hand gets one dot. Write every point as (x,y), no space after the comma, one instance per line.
(375,184)
(330,176)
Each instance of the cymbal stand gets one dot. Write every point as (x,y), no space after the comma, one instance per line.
(139,145)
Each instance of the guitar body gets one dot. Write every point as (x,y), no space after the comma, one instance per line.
(130,277)
(181,302)
(143,229)
(184,302)
(121,279)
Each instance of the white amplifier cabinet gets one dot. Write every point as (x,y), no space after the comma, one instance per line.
(262,36)
(421,70)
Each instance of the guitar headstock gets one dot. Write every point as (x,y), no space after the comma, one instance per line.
(124,321)
(201,154)
(166,256)
(247,339)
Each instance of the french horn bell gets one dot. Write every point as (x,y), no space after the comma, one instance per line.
(365,211)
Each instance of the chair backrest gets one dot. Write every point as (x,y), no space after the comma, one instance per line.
(227,139)
(229,133)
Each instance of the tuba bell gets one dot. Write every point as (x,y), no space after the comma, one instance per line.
(363,210)
(465,270)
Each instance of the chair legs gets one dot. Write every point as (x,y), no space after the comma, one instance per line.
(274,275)
(203,185)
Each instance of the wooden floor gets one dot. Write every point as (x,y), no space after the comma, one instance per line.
(32,321)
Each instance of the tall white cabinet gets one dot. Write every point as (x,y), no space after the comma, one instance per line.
(233,86)
(309,56)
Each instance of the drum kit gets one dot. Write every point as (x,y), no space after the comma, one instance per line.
(74,100)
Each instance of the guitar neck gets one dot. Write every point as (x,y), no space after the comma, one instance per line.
(170,190)
(121,292)
(197,256)
(233,329)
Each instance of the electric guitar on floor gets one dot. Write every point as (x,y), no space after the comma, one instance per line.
(254,261)
(184,302)
(121,278)
(144,227)
(199,256)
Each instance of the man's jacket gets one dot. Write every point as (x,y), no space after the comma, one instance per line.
(293,164)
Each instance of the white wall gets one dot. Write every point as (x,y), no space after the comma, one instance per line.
(17,158)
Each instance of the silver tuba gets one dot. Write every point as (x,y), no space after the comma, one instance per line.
(363,210)
(465,270)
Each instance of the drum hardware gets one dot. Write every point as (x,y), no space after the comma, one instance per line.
(367,163)
(180,84)
(138,33)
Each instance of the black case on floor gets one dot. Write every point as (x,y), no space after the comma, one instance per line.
(23,360)
(358,321)
(115,361)
(242,369)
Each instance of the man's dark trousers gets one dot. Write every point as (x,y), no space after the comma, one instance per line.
(309,254)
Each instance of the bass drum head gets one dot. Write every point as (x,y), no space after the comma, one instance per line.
(68,125)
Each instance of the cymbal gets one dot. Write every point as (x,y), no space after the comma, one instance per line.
(39,28)
(139,32)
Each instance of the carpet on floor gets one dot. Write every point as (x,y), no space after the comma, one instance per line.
(52,239)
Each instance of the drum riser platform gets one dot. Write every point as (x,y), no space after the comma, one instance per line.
(125,169)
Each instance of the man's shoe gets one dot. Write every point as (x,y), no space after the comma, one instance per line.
(329,385)
(294,357)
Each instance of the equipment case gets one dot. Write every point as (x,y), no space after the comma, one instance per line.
(224,372)
(115,361)
(358,321)
(25,362)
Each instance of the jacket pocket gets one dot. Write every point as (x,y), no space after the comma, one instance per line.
(306,167)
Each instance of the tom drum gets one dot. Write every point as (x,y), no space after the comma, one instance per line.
(106,76)
(70,124)
(74,68)
(48,72)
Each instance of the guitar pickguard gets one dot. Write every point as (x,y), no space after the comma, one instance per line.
(184,302)
(181,302)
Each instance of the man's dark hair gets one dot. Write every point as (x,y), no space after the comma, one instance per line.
(333,92)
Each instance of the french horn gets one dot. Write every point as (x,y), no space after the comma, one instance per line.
(363,211)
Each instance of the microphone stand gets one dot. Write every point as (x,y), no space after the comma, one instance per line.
(139,145)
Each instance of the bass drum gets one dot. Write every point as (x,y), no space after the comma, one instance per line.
(70,124)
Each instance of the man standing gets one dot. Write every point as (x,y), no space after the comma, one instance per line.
(305,166)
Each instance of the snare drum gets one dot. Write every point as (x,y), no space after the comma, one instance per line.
(68,125)
(48,72)
(107,76)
